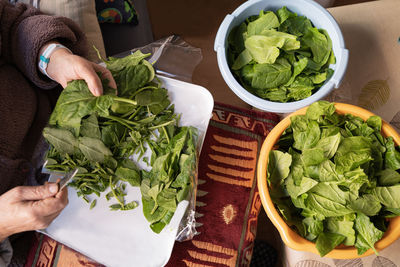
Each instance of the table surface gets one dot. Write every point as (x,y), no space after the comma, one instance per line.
(197,23)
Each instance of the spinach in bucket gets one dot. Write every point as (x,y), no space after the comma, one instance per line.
(99,136)
(335,179)
(280,56)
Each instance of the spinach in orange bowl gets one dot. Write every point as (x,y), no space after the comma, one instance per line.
(332,185)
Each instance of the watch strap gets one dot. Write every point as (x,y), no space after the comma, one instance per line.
(44,58)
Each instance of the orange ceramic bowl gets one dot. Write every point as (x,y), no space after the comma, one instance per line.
(288,235)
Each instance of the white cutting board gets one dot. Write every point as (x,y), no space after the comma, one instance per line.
(124,238)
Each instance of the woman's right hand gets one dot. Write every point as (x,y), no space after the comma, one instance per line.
(26,208)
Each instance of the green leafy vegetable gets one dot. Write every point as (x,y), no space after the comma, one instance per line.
(335,179)
(272,75)
(319,45)
(90,127)
(280,56)
(129,175)
(278,167)
(93,149)
(93,204)
(388,177)
(61,139)
(367,233)
(389,196)
(341,226)
(328,241)
(98,135)
(265,21)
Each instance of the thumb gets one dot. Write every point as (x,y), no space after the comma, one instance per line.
(36,192)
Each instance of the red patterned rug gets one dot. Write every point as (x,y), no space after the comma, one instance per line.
(227,198)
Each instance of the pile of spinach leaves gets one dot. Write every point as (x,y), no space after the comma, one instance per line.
(335,179)
(99,135)
(280,56)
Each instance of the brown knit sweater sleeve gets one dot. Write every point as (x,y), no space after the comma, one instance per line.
(23,31)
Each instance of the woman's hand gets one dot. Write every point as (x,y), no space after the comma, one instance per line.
(64,67)
(26,208)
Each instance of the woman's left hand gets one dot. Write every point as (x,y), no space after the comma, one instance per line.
(64,67)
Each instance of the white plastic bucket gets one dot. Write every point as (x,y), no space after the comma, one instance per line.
(321,19)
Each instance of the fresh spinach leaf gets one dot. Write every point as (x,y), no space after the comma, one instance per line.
(319,45)
(236,38)
(99,136)
(313,227)
(61,139)
(90,127)
(375,122)
(319,109)
(283,14)
(301,88)
(389,196)
(297,25)
(278,166)
(367,204)
(131,176)
(343,180)
(242,60)
(392,156)
(271,75)
(116,65)
(308,138)
(280,56)
(388,177)
(328,241)
(290,41)
(298,67)
(338,225)
(367,234)
(265,21)
(329,145)
(93,149)
(274,94)
(305,185)
(158,226)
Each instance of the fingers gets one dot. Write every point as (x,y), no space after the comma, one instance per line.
(66,67)
(50,205)
(30,208)
(63,194)
(106,74)
(40,217)
(87,72)
(24,193)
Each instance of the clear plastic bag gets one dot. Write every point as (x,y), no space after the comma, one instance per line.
(172,57)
